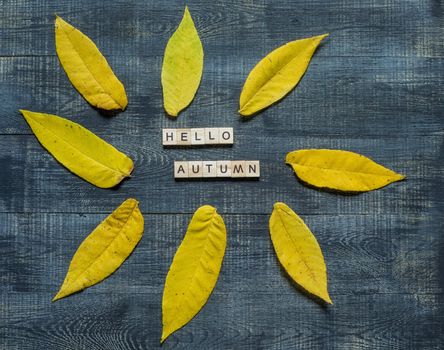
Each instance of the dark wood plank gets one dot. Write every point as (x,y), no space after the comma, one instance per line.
(379,276)
(364,253)
(338,95)
(35,182)
(107,321)
(140,28)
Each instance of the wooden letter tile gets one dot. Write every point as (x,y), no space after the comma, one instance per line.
(252,168)
(183,137)
(238,168)
(195,169)
(211,136)
(223,168)
(198,136)
(169,137)
(209,168)
(180,170)
(226,136)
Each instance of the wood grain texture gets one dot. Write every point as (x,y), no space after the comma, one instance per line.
(374,87)
(388,254)
(35,180)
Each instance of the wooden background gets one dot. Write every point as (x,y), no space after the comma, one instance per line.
(375,87)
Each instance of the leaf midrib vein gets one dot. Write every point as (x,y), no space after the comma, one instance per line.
(199,263)
(87,67)
(268,80)
(109,244)
(82,153)
(296,247)
(343,170)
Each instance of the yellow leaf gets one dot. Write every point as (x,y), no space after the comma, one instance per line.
(340,170)
(277,74)
(195,269)
(105,249)
(87,69)
(298,251)
(182,66)
(78,149)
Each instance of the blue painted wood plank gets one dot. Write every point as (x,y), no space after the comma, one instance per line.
(34,181)
(379,278)
(231,27)
(352,95)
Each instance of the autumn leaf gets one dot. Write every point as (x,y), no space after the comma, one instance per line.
(194,270)
(78,149)
(340,170)
(182,66)
(277,74)
(298,251)
(105,249)
(87,68)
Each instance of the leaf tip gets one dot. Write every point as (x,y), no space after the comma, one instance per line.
(208,207)
(25,113)
(244,113)
(318,38)
(58,19)
(396,177)
(133,200)
(130,170)
(164,336)
(173,115)
(327,299)
(278,205)
(59,22)
(62,293)
(186,16)
(57,297)
(287,157)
